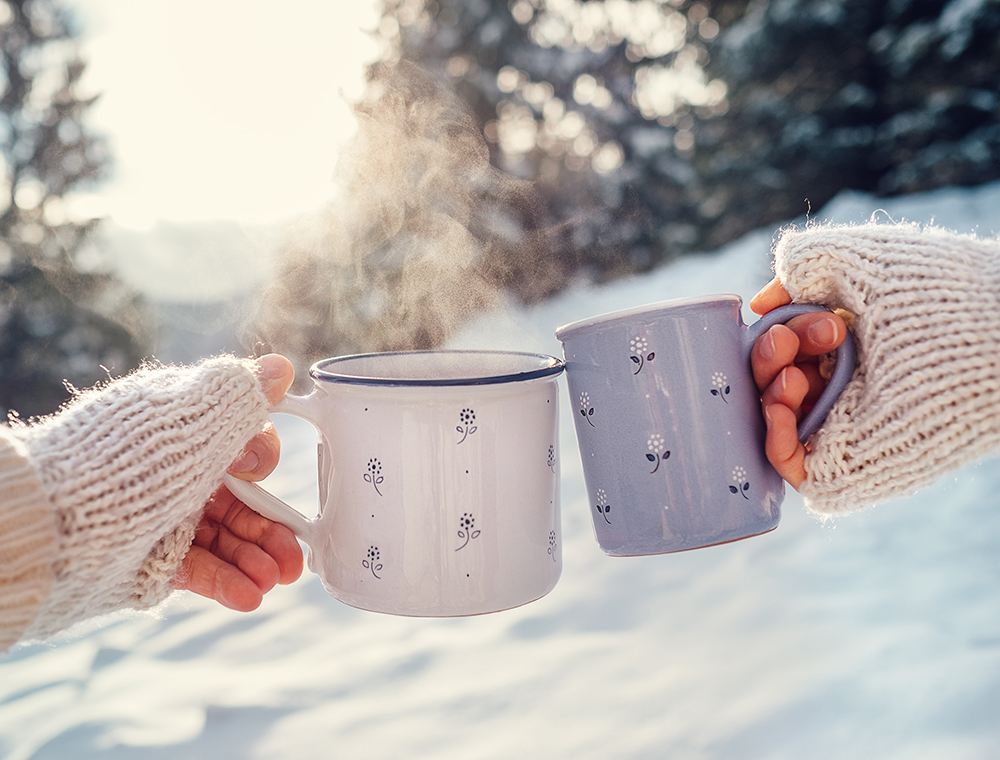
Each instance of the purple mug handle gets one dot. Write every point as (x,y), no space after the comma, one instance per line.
(842,373)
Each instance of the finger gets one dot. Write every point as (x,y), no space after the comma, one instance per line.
(248,557)
(770,297)
(816,382)
(819,332)
(260,456)
(226,510)
(782,446)
(275,539)
(282,545)
(276,374)
(788,389)
(206,575)
(773,351)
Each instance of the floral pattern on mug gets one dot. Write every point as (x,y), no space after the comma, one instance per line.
(657,451)
(467,424)
(586,409)
(553,546)
(465,529)
(372,562)
(603,508)
(720,386)
(742,484)
(551,461)
(639,356)
(374,474)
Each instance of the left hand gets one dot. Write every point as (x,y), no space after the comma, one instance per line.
(238,555)
(785,367)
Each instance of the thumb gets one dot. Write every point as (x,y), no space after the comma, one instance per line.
(276,374)
(261,454)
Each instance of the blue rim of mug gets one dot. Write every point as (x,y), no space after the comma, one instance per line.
(546,366)
(604,320)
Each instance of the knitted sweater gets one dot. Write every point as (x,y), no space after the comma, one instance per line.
(925,398)
(100,501)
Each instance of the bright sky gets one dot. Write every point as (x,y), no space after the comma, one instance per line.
(222,109)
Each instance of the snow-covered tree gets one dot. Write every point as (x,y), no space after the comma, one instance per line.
(887,97)
(655,127)
(61,317)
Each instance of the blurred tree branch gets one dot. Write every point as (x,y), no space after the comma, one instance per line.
(62,316)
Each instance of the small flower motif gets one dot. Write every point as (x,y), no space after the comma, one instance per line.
(639,355)
(586,409)
(374,474)
(657,451)
(372,562)
(603,508)
(552,545)
(720,386)
(551,461)
(467,423)
(742,484)
(465,525)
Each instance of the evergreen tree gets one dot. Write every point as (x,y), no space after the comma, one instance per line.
(655,127)
(887,97)
(594,102)
(59,318)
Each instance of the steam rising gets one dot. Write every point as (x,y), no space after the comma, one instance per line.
(427,232)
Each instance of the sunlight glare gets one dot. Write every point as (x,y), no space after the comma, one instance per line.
(224,110)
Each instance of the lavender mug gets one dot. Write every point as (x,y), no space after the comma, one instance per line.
(438,480)
(669,423)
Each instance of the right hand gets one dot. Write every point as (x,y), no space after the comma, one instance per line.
(785,366)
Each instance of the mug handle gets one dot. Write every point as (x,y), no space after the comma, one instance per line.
(842,372)
(267,504)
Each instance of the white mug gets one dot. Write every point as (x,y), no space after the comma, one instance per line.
(438,479)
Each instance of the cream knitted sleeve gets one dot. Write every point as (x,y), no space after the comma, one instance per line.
(925,398)
(126,470)
(27,541)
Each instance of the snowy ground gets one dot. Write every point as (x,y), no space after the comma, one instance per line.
(876,636)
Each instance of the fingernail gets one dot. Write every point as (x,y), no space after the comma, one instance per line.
(767,345)
(246,463)
(767,416)
(824,332)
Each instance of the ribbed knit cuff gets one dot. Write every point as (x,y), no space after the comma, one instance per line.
(28,542)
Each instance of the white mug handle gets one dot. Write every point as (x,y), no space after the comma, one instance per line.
(267,504)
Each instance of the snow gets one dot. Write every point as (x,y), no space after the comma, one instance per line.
(874,636)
